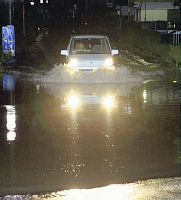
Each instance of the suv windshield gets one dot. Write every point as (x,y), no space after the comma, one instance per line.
(89,46)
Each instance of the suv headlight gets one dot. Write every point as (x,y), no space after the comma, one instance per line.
(73,63)
(108,62)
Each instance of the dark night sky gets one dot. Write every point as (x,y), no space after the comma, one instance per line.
(53,11)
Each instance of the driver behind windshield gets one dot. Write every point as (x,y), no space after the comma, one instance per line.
(80,46)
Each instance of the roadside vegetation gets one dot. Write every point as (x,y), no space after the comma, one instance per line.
(3,59)
(31,53)
(138,44)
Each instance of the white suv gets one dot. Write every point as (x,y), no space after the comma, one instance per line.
(89,52)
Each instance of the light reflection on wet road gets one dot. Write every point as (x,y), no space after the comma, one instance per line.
(55,137)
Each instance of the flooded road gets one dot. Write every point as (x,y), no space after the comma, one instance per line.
(63,136)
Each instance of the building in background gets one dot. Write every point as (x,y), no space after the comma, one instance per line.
(155,11)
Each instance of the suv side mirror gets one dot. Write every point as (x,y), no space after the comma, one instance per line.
(115,52)
(64,52)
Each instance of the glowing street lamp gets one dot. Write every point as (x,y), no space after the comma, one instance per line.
(32,3)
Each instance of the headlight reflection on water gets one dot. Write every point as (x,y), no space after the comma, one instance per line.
(115,192)
(144,96)
(11,136)
(151,189)
(109,102)
(11,122)
(73,102)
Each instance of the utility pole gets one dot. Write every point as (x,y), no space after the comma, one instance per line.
(174,16)
(145,11)
(73,15)
(86,10)
(120,17)
(10,12)
(24,19)
(128,11)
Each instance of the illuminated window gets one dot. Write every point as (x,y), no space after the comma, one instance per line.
(41,1)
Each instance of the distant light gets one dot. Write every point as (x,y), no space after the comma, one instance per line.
(46,1)
(32,3)
(144,96)
(37,89)
(148,81)
(174,81)
(41,1)
(11,136)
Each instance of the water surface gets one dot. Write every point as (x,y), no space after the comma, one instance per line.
(63,136)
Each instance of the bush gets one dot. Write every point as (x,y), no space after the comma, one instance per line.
(30,55)
(3,59)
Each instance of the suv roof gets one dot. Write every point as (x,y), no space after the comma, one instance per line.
(89,36)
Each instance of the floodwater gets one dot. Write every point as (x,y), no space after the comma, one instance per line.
(61,136)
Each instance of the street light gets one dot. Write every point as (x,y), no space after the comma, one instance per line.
(32,3)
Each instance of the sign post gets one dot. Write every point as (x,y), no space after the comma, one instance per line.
(8,39)
(9,82)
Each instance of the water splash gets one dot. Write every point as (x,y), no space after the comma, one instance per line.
(59,74)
